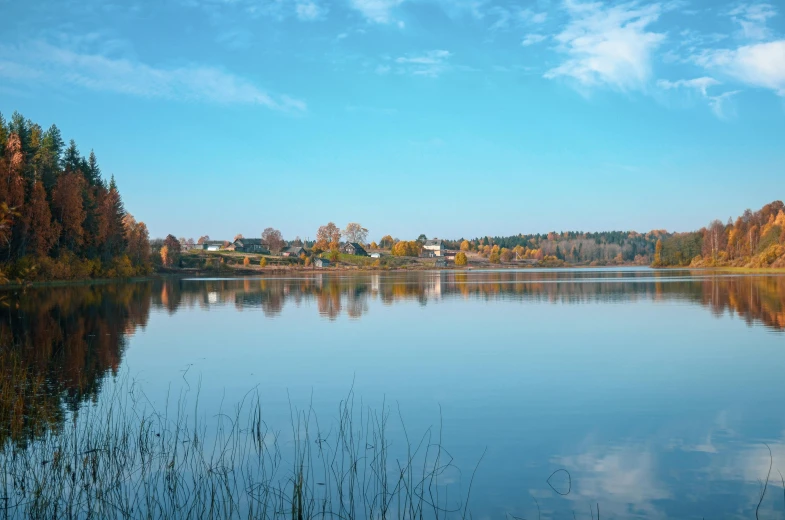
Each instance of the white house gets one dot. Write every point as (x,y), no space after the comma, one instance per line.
(434,247)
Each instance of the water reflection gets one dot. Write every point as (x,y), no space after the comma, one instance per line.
(68,340)
(757,299)
(56,345)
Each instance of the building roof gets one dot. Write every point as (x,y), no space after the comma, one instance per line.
(292,249)
(434,242)
(355,245)
(250,241)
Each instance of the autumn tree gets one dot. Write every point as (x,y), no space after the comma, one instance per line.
(404,248)
(386,242)
(354,232)
(657,254)
(173,244)
(42,231)
(328,237)
(69,211)
(273,239)
(166,257)
(460,258)
(465,246)
(263,262)
(203,239)
(246,261)
(137,240)
(238,236)
(494,258)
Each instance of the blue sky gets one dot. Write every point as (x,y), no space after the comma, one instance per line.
(449,118)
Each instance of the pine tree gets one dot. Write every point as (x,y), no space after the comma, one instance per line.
(93,172)
(72,160)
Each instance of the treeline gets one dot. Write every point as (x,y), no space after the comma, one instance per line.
(59,218)
(573,247)
(755,239)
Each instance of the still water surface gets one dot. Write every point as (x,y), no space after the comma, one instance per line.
(657,391)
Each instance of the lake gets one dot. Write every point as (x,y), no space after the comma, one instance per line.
(658,393)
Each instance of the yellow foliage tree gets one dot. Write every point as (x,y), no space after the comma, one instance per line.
(460,258)
(494,259)
(263,262)
(166,258)
(465,246)
(403,248)
(374,245)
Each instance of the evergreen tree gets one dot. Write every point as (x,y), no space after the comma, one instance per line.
(72,159)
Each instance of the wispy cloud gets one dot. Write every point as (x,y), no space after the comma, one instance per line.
(309,11)
(532,39)
(532,17)
(377,11)
(753,20)
(759,65)
(54,66)
(431,63)
(699,84)
(718,103)
(608,45)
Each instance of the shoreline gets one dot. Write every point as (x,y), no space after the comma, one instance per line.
(242,272)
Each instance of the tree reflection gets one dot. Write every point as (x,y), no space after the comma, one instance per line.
(59,343)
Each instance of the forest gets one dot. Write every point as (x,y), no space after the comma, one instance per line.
(753,240)
(59,218)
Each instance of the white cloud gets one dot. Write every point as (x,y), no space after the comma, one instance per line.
(753,18)
(529,16)
(310,11)
(431,63)
(531,39)
(377,11)
(608,45)
(759,65)
(719,103)
(699,84)
(56,66)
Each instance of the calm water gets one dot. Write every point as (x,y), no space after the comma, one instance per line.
(655,390)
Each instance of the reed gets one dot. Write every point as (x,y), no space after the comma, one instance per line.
(122,458)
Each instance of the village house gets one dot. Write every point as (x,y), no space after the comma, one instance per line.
(321,262)
(251,245)
(353,248)
(450,255)
(294,251)
(433,247)
(210,245)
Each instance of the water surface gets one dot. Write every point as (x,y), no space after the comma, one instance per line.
(657,390)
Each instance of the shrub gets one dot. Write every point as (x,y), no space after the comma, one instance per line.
(246,261)
(460,258)
(494,258)
(263,262)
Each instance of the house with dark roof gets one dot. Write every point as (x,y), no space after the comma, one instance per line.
(353,248)
(295,251)
(321,262)
(251,245)
(434,247)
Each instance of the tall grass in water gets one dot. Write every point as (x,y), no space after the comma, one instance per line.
(121,458)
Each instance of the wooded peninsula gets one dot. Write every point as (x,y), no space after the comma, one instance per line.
(61,220)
